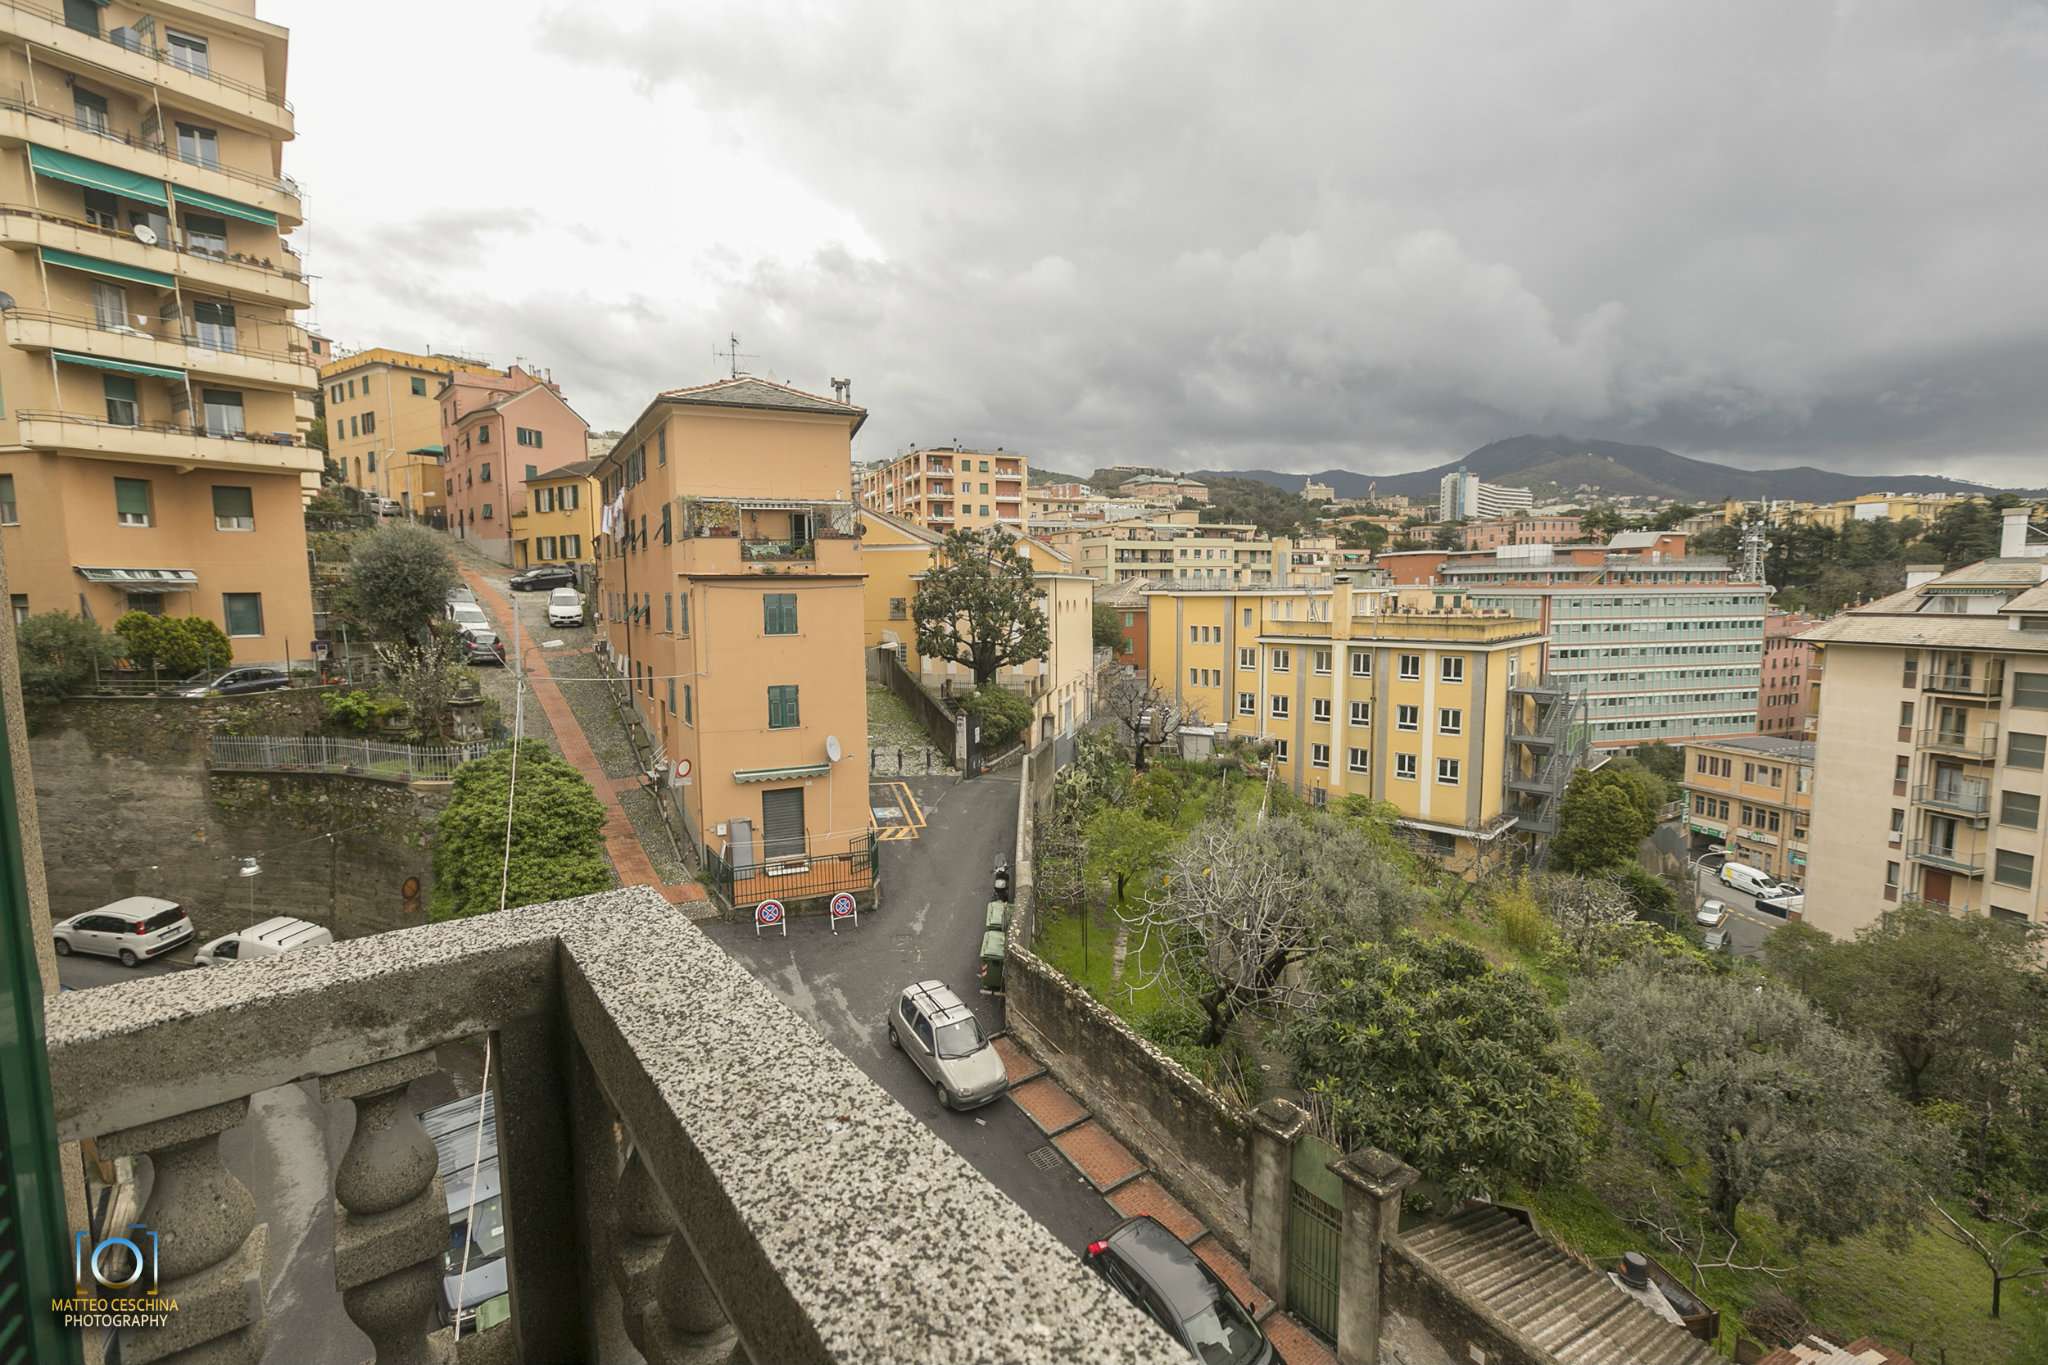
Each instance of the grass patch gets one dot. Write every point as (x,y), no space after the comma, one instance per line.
(1060,942)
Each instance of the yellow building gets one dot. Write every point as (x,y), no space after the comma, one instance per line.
(1752,794)
(384,422)
(729,580)
(897,553)
(558,524)
(1386,693)
(949,488)
(154,367)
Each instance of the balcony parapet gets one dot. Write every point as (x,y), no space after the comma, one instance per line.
(640,1096)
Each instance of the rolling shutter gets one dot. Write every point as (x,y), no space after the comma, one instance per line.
(782,823)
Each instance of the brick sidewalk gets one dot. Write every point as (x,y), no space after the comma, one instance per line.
(621,841)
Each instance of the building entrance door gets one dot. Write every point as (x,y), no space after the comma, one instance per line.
(782,824)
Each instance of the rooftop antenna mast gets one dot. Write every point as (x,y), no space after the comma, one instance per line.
(732,354)
(1755,543)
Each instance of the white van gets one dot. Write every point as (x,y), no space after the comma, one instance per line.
(1754,880)
(275,936)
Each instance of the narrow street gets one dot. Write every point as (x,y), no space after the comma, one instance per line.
(1749,927)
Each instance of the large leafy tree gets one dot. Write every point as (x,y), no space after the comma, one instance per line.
(1421,1047)
(1107,628)
(1600,824)
(1124,845)
(176,645)
(58,653)
(399,579)
(978,605)
(557,835)
(1777,1106)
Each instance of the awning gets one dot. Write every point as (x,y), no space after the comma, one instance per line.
(200,199)
(436,451)
(113,270)
(97,175)
(143,580)
(780,774)
(100,362)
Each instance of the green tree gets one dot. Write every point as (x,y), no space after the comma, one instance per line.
(557,835)
(1124,845)
(978,605)
(1275,511)
(178,646)
(1000,712)
(59,653)
(1423,1048)
(1664,760)
(1107,628)
(399,579)
(1779,1107)
(1600,825)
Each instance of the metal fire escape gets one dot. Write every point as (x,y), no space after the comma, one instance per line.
(1548,737)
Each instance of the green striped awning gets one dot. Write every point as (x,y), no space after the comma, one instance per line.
(100,362)
(97,175)
(781,774)
(113,270)
(248,213)
(435,451)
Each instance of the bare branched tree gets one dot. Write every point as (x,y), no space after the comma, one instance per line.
(1678,1221)
(1591,914)
(1142,711)
(2023,1249)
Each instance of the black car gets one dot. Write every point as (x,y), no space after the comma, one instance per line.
(1154,1270)
(544,576)
(233,682)
(482,647)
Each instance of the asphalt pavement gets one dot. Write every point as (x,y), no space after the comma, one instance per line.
(935,890)
(1748,926)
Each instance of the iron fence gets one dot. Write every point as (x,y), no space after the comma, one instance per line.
(358,757)
(813,876)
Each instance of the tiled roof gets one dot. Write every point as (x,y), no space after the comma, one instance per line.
(1898,621)
(748,392)
(1131,592)
(583,467)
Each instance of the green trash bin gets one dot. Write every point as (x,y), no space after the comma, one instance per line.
(998,916)
(992,961)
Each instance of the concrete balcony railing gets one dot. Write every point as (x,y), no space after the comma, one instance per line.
(1963,796)
(240,363)
(689,1168)
(277,282)
(1950,857)
(1981,686)
(1978,742)
(730,555)
(165,443)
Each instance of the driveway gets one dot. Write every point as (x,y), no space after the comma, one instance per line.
(935,890)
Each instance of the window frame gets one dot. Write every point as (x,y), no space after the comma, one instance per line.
(228,602)
(783,700)
(779,614)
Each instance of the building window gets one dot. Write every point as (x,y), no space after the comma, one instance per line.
(1447,772)
(660,447)
(2030,690)
(1361,663)
(544,547)
(369,424)
(198,146)
(244,612)
(209,237)
(1891,876)
(899,608)
(1279,751)
(10,512)
(1911,676)
(90,110)
(1322,661)
(187,51)
(131,502)
(1361,760)
(2023,750)
(1361,713)
(419,387)
(2020,809)
(1901,767)
(1450,720)
(1247,703)
(1411,666)
(782,712)
(1905,715)
(1246,658)
(1279,705)
(1898,823)
(483,436)
(223,409)
(1318,755)
(1454,668)
(1281,663)
(2014,869)
(1405,766)
(20,604)
(528,436)
(234,508)
(1407,718)
(778,613)
(484,473)
(1319,709)
(1247,618)
(122,409)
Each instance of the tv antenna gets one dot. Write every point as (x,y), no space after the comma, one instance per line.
(732,354)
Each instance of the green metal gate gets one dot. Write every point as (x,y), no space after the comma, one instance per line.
(1314,1215)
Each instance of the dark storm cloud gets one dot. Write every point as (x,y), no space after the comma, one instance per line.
(1369,235)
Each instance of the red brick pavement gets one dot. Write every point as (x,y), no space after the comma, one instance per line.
(621,841)
(1296,1344)
(1146,1195)
(1019,1065)
(1098,1155)
(1048,1106)
(1232,1272)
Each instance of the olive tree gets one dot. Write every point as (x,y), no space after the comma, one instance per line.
(399,578)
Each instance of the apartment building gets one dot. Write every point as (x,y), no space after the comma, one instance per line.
(1933,732)
(1167,488)
(1784,697)
(558,522)
(949,488)
(499,432)
(1129,599)
(384,423)
(1753,795)
(1661,647)
(730,582)
(1311,491)
(1215,554)
(155,368)
(1407,696)
(897,554)
(1467,497)
(1523,529)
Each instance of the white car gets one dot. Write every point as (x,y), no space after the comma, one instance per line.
(565,607)
(1788,903)
(468,615)
(1713,914)
(276,935)
(134,929)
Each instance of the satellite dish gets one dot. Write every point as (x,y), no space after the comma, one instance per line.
(832,749)
(6,302)
(145,234)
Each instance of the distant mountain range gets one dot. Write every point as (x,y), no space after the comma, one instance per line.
(1558,466)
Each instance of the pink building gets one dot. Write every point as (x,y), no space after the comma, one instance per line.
(1783,699)
(498,431)
(1524,530)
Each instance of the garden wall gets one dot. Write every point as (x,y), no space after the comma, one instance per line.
(1187,1133)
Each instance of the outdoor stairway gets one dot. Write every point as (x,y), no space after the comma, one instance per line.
(1575,1314)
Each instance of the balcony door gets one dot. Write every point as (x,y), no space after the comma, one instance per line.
(1952,725)
(109,305)
(1941,835)
(1936,886)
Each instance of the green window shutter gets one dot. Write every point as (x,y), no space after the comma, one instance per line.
(782,709)
(233,502)
(244,612)
(778,613)
(131,497)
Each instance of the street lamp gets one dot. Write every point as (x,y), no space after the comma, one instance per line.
(249,871)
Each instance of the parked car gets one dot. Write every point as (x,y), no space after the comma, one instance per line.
(468,614)
(1713,914)
(234,682)
(272,937)
(544,576)
(133,929)
(482,647)
(945,1040)
(565,607)
(1721,940)
(461,594)
(386,507)
(1743,877)
(1155,1270)
(468,1161)
(1785,904)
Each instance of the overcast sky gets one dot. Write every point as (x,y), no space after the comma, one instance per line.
(1294,236)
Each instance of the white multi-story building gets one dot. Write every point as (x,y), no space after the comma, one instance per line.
(1467,497)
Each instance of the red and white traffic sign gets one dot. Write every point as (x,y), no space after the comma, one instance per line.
(679,773)
(843,907)
(769,914)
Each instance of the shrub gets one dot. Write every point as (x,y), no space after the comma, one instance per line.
(359,710)
(1000,712)
(399,578)
(557,824)
(175,646)
(58,653)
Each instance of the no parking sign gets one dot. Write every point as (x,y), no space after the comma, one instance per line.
(843,907)
(769,914)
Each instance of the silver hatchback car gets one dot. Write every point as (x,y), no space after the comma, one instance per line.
(945,1040)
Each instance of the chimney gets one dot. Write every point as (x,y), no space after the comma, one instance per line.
(1917,574)
(1635,1271)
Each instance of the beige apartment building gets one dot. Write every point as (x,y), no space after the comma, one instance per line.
(730,587)
(950,488)
(1190,553)
(384,423)
(155,369)
(557,524)
(1753,795)
(1933,730)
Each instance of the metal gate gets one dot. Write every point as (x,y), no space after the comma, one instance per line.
(1314,1219)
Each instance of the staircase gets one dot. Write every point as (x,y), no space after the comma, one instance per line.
(1547,734)
(1574,1314)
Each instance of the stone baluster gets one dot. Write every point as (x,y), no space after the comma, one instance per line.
(391,1220)
(670,1313)
(209,1246)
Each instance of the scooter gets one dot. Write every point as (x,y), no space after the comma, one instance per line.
(1002,880)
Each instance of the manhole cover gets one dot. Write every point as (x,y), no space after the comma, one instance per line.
(1049,1160)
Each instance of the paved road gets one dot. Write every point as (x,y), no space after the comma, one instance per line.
(1750,925)
(935,889)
